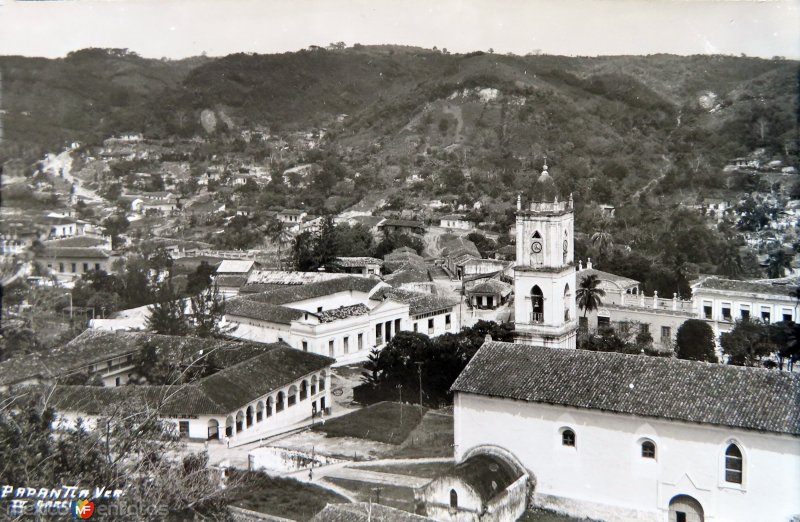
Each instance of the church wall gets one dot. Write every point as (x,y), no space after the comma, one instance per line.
(436,497)
(605,468)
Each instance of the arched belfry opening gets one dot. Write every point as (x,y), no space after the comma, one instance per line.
(537,302)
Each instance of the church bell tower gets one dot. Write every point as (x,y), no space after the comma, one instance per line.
(544,275)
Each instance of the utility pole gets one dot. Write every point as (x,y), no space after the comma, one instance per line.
(400,387)
(419,372)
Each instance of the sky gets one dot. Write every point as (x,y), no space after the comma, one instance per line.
(181,28)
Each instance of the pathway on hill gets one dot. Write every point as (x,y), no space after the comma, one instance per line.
(653,182)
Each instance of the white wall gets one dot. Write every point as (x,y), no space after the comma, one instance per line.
(605,476)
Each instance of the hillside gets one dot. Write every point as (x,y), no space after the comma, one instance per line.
(453,120)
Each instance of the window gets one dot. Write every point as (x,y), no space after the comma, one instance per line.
(726,312)
(733,464)
(447,321)
(97,266)
(330,348)
(61,267)
(303,390)
(360,342)
(279,404)
(787,315)
(416,326)
(305,346)
(117,381)
(86,267)
(745,312)
(707,311)
(537,301)
(346,344)
(319,309)
(568,438)
(666,334)
(183,428)
(648,449)
(453,499)
(765,315)
(603,322)
(379,333)
(430,325)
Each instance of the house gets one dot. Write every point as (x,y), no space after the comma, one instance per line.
(68,263)
(483,292)
(457,252)
(456,221)
(720,302)
(427,313)
(256,398)
(628,437)
(239,267)
(291,216)
(403,257)
(263,280)
(62,227)
(401,226)
(359,265)
(340,318)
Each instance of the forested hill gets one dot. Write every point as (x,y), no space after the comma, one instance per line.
(493,110)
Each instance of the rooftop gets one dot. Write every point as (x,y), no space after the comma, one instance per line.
(665,388)
(283,277)
(418,302)
(296,293)
(343,312)
(271,313)
(76,242)
(621,281)
(75,253)
(749,287)
(401,223)
(221,393)
(235,266)
(355,262)
(366,512)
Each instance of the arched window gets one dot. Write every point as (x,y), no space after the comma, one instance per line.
(567,300)
(249,416)
(568,438)
(280,403)
(537,301)
(733,464)
(648,449)
(270,405)
(292,395)
(259,411)
(453,499)
(239,421)
(303,390)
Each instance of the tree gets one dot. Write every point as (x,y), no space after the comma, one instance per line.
(589,294)
(695,341)
(167,314)
(747,343)
(278,234)
(208,309)
(602,239)
(115,226)
(200,279)
(779,261)
(731,264)
(131,449)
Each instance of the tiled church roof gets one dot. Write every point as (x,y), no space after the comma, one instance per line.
(673,389)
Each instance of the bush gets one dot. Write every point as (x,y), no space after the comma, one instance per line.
(695,341)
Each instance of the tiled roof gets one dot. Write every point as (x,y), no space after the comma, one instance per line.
(366,512)
(292,212)
(453,246)
(218,394)
(231,280)
(76,241)
(343,312)
(408,274)
(295,293)
(621,281)
(418,303)
(235,266)
(673,389)
(75,253)
(491,286)
(749,287)
(453,217)
(286,277)
(244,307)
(401,223)
(350,262)
(489,476)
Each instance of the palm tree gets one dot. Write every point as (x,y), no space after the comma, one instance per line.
(602,239)
(279,235)
(731,264)
(589,294)
(779,262)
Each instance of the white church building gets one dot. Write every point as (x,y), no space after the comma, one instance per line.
(620,437)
